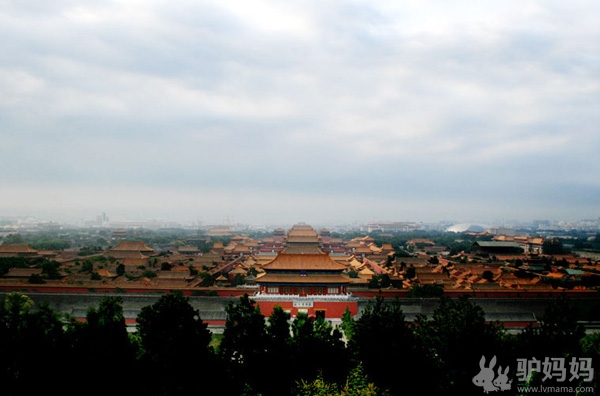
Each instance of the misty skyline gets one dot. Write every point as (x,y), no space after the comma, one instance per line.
(321,112)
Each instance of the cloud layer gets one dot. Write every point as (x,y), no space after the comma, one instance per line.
(317,111)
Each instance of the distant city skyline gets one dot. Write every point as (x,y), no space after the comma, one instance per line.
(104,220)
(323,112)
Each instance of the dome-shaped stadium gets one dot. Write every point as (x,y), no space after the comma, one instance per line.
(466,227)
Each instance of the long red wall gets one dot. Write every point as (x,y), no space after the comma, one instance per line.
(483,294)
(369,293)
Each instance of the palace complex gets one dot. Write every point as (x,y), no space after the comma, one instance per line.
(303,278)
(305,271)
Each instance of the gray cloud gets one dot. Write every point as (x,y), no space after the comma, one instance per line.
(344,111)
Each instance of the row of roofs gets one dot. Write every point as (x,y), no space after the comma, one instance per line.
(24,250)
(246,257)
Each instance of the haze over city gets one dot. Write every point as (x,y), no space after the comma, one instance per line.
(322,112)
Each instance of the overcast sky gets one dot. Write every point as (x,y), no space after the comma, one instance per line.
(288,111)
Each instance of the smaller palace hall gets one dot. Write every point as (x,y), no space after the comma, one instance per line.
(304,279)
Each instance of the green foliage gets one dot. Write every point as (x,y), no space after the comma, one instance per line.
(32,345)
(356,384)
(14,307)
(36,279)
(209,293)
(451,340)
(7,263)
(38,241)
(384,354)
(245,340)
(558,332)
(316,387)
(348,324)
(552,246)
(170,332)
(426,291)
(50,269)
(317,348)
(149,274)
(208,280)
(488,275)
(380,281)
(13,239)
(120,269)
(410,272)
(279,355)
(590,344)
(244,337)
(87,266)
(278,328)
(238,279)
(384,320)
(90,250)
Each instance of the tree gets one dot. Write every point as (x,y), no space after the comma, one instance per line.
(170,332)
(356,384)
(330,354)
(425,291)
(43,351)
(590,348)
(380,336)
(120,269)
(14,307)
(348,324)
(488,275)
(518,263)
(101,342)
(389,261)
(557,335)
(31,346)
(245,340)
(304,346)
(35,279)
(87,266)
(13,310)
(385,281)
(278,329)
(278,355)
(238,279)
(13,239)
(50,269)
(552,246)
(452,341)
(411,272)
(558,332)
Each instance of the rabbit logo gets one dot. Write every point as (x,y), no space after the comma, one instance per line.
(501,380)
(485,378)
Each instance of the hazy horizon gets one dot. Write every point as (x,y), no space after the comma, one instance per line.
(323,112)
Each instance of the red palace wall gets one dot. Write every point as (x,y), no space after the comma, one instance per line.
(333,309)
